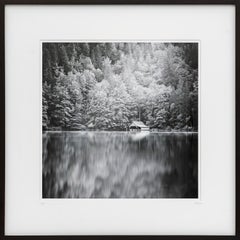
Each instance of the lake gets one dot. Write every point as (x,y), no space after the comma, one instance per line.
(119,165)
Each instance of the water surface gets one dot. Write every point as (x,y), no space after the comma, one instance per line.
(120,165)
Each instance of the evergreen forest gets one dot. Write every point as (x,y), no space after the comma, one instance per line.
(106,86)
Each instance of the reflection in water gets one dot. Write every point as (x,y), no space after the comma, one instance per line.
(139,135)
(120,165)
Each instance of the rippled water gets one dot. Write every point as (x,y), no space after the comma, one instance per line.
(119,165)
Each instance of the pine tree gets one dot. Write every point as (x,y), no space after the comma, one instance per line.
(63,59)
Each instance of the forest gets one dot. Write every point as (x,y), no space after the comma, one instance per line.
(106,86)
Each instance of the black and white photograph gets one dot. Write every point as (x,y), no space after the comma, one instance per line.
(120,120)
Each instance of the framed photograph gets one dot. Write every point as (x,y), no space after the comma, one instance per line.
(120,119)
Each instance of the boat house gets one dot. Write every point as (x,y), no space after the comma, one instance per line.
(138,126)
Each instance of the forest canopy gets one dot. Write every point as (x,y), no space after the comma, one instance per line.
(106,86)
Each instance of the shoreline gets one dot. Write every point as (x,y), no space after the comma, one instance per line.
(108,131)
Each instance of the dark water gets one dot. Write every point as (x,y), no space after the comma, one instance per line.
(120,165)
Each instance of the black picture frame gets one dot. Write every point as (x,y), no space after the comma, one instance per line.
(3,3)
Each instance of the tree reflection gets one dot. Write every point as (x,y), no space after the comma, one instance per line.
(118,165)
